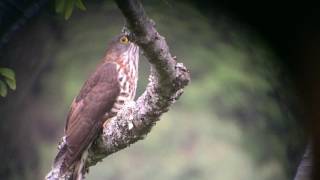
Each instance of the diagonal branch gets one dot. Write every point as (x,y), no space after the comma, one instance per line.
(305,166)
(166,83)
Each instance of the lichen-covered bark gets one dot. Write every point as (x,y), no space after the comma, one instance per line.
(305,167)
(166,83)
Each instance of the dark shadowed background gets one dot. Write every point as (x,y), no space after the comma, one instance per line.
(245,114)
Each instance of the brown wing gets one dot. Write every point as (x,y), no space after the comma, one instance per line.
(84,121)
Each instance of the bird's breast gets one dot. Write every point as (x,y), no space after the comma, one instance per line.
(127,78)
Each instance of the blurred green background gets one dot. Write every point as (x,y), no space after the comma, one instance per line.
(236,119)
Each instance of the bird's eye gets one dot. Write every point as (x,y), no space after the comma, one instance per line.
(124,40)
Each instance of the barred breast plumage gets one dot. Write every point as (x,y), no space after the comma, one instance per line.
(128,77)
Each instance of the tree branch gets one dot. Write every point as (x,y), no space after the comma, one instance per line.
(166,83)
(305,166)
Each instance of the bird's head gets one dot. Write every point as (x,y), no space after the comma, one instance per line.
(121,46)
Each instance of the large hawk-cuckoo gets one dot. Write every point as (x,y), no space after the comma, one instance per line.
(112,84)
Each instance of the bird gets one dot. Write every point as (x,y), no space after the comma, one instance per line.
(108,88)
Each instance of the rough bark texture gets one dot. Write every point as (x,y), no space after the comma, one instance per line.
(166,83)
(305,167)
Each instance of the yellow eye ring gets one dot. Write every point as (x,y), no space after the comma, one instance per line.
(124,40)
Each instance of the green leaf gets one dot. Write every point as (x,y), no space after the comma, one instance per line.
(11,83)
(80,5)
(8,73)
(68,9)
(59,4)
(3,89)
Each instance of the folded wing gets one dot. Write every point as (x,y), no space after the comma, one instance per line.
(84,121)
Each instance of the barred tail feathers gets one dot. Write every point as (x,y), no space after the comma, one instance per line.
(79,167)
(58,169)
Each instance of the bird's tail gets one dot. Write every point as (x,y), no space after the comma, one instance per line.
(58,170)
(79,169)
(61,171)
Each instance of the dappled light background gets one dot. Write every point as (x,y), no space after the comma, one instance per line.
(236,120)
